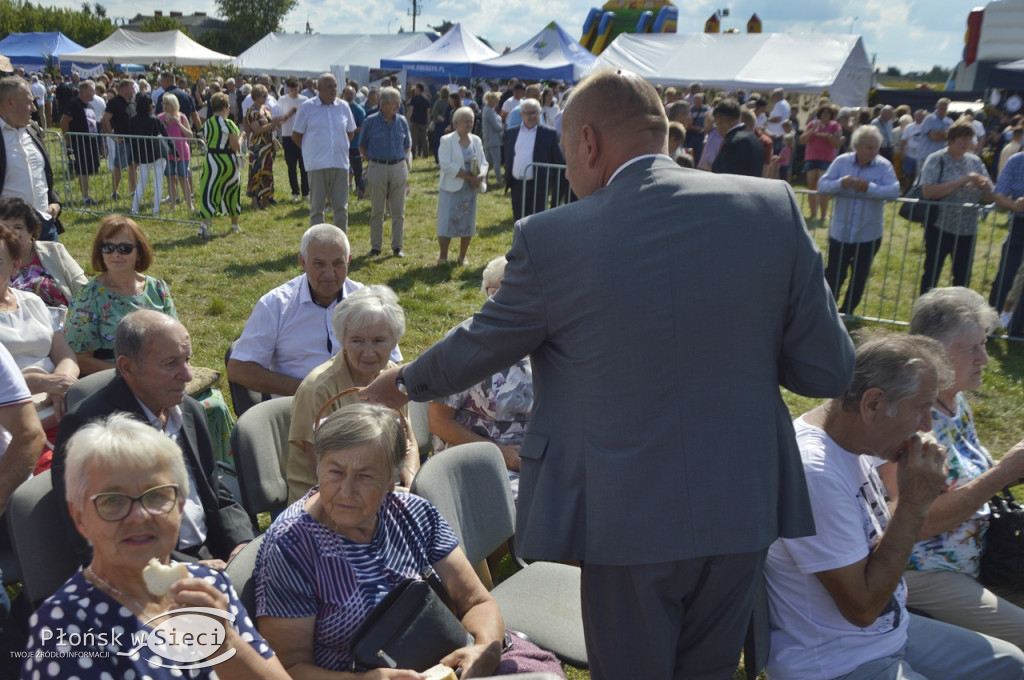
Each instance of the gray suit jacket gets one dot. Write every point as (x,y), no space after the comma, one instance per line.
(660,314)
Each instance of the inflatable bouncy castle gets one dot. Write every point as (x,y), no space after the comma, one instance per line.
(627,16)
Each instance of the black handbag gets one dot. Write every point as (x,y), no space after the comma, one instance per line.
(1002,560)
(410,628)
(921,213)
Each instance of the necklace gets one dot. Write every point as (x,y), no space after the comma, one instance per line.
(93,576)
(948,410)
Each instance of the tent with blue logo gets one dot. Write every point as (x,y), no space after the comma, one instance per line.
(552,53)
(451,56)
(33,51)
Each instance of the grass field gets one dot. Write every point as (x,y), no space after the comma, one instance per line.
(215,283)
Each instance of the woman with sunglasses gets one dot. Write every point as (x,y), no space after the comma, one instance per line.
(120,253)
(126,487)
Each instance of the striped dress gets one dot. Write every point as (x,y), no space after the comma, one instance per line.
(221,183)
(305,569)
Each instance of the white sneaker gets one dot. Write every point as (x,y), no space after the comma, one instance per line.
(235,229)
(295,198)
(203,231)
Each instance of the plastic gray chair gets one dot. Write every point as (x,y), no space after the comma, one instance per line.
(419,419)
(259,446)
(38,537)
(242,398)
(240,571)
(85,387)
(469,486)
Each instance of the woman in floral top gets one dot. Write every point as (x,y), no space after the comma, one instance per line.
(120,252)
(495,410)
(942,576)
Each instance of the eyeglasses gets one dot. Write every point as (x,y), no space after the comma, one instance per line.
(114,507)
(123,248)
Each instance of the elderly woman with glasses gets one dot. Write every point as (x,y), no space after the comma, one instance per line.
(121,253)
(126,485)
(369,322)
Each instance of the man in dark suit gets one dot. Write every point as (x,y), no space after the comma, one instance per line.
(21,140)
(741,152)
(632,461)
(152,359)
(528,143)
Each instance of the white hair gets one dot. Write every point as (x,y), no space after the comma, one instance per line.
(323,234)
(367,306)
(119,441)
(494,270)
(865,131)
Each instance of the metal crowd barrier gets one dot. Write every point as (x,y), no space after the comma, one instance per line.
(892,278)
(548,189)
(94,183)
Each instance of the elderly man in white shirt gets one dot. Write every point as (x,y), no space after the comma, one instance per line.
(330,122)
(773,124)
(289,332)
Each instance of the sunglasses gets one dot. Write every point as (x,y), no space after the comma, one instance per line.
(113,507)
(123,248)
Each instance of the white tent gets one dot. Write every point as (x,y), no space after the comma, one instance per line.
(804,63)
(287,54)
(135,46)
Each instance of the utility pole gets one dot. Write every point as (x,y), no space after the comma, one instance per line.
(414,12)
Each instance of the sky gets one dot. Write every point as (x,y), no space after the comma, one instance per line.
(912,35)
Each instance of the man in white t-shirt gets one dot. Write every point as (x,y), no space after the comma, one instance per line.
(837,600)
(910,145)
(773,125)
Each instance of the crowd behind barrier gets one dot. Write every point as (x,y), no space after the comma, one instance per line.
(895,278)
(67,150)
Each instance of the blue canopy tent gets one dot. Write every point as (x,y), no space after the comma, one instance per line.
(552,53)
(452,56)
(30,51)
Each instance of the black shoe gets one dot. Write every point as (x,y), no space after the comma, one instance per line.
(271,201)
(398,252)
(374,253)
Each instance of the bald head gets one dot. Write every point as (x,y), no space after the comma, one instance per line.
(612,116)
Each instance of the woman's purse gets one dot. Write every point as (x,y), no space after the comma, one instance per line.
(924,214)
(277,146)
(411,628)
(1002,560)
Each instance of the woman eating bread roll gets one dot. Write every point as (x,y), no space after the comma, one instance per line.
(126,488)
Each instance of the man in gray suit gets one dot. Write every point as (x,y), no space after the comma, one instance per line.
(660,453)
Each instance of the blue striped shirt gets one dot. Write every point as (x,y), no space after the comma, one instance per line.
(305,569)
(857,216)
(385,141)
(1011,179)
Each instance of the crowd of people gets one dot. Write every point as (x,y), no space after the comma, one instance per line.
(870,503)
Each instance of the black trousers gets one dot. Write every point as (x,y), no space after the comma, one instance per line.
(855,257)
(938,245)
(535,193)
(293,158)
(1013,254)
(355,161)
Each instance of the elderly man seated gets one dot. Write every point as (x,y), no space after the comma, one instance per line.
(152,352)
(289,332)
(837,599)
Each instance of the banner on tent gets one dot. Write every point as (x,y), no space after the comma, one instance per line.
(87,71)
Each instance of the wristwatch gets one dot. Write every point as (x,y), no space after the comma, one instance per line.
(400,382)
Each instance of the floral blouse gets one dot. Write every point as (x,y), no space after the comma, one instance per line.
(958,549)
(498,408)
(96,311)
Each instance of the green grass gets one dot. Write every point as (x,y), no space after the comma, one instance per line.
(215,283)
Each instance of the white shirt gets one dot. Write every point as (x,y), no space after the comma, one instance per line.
(810,638)
(525,142)
(325,129)
(26,169)
(39,92)
(289,333)
(781,110)
(912,136)
(286,103)
(13,391)
(27,332)
(99,107)
(510,104)
(193,521)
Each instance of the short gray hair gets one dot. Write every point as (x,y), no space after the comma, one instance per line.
(463,112)
(390,93)
(865,131)
(494,270)
(119,440)
(323,234)
(10,85)
(946,314)
(327,75)
(133,329)
(367,306)
(894,363)
(358,424)
(529,102)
